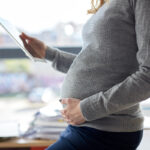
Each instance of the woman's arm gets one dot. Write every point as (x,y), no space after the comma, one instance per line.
(136,87)
(61,60)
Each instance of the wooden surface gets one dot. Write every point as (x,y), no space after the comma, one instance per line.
(14,143)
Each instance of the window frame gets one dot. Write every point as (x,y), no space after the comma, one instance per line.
(12,53)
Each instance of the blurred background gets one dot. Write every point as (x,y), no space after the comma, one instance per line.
(26,86)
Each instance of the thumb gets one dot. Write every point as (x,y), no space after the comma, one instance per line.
(26,36)
(64,101)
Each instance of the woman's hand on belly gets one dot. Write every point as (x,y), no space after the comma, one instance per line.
(72,113)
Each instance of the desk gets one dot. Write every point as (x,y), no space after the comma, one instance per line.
(25,144)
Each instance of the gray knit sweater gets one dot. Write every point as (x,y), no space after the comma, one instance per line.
(111,74)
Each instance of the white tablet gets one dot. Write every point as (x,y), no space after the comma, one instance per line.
(14,34)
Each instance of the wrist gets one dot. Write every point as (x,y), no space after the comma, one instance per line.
(50,53)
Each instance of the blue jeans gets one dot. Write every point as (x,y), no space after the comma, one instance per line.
(85,138)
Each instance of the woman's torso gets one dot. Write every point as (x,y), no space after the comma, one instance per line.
(108,56)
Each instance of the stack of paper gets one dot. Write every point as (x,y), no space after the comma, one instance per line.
(47,123)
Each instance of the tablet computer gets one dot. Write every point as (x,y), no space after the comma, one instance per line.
(14,34)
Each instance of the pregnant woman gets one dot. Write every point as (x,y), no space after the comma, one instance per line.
(107,80)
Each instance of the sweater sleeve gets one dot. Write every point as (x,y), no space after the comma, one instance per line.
(61,60)
(136,87)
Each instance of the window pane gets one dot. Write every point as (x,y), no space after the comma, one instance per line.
(57,23)
(24,89)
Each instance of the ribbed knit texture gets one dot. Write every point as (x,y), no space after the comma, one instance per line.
(111,74)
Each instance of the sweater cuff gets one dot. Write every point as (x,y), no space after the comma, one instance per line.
(86,109)
(50,53)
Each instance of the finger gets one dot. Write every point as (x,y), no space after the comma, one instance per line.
(24,43)
(33,51)
(64,111)
(26,36)
(64,101)
(66,116)
(25,40)
(72,123)
(23,36)
(28,46)
(62,114)
(34,47)
(67,120)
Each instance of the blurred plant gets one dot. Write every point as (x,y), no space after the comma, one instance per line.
(18,65)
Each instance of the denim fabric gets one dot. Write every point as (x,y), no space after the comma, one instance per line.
(85,138)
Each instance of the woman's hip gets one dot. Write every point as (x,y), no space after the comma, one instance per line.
(102,140)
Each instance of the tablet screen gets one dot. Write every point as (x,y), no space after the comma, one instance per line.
(14,34)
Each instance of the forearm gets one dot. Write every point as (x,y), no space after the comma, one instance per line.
(61,60)
(128,93)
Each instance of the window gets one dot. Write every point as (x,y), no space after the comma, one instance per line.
(23,88)
(57,23)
